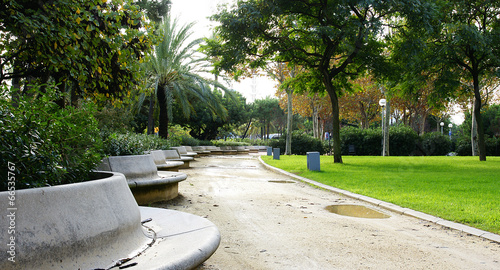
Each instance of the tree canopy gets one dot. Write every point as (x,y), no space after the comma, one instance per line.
(462,45)
(90,47)
(334,39)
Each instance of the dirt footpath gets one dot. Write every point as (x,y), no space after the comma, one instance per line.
(266,222)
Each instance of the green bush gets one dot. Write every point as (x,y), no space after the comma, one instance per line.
(353,136)
(133,144)
(47,145)
(229,142)
(403,141)
(435,144)
(301,143)
(368,142)
(464,147)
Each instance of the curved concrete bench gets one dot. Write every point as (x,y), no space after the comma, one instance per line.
(146,182)
(201,150)
(241,150)
(162,164)
(198,153)
(94,225)
(183,152)
(173,155)
(228,150)
(252,149)
(214,150)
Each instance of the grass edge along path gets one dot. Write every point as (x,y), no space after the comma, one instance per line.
(459,189)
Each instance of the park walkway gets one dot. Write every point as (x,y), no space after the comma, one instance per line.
(269,220)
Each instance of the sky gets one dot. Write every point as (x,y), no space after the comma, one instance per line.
(198,11)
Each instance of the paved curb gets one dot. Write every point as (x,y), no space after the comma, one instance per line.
(395,208)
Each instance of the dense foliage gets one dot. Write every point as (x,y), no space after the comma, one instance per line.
(92,48)
(48,145)
(301,143)
(118,144)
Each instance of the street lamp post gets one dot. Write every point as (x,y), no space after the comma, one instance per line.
(442,125)
(449,132)
(382,103)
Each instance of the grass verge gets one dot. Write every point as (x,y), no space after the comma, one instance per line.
(459,189)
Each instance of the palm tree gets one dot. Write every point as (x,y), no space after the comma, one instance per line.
(172,71)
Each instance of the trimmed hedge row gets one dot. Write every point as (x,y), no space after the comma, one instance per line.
(403,141)
(301,143)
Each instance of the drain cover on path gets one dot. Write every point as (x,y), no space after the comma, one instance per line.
(353,210)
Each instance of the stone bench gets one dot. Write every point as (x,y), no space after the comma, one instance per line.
(214,150)
(228,150)
(241,150)
(146,182)
(97,224)
(252,149)
(183,152)
(162,164)
(173,155)
(200,150)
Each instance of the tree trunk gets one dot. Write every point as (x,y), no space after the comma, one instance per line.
(288,146)
(315,119)
(386,127)
(247,128)
(163,118)
(151,123)
(477,113)
(337,148)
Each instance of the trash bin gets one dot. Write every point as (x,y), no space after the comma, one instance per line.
(313,161)
(269,151)
(276,153)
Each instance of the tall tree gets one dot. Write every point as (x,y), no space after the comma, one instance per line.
(464,44)
(361,105)
(335,39)
(173,72)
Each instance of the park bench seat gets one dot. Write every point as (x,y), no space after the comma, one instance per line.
(147,183)
(228,150)
(173,155)
(252,149)
(241,150)
(162,164)
(183,152)
(200,150)
(95,224)
(214,150)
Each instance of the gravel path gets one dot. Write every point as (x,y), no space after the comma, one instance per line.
(270,221)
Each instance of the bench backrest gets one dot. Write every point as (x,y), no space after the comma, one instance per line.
(135,167)
(171,154)
(85,225)
(158,157)
(181,149)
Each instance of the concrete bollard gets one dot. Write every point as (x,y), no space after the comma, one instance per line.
(276,153)
(269,151)
(313,161)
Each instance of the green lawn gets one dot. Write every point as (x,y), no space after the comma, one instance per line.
(459,189)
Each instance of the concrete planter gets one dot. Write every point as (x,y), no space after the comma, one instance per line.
(90,225)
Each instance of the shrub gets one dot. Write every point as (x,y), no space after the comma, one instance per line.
(301,143)
(402,141)
(368,142)
(118,144)
(229,142)
(435,144)
(352,136)
(48,145)
(464,147)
